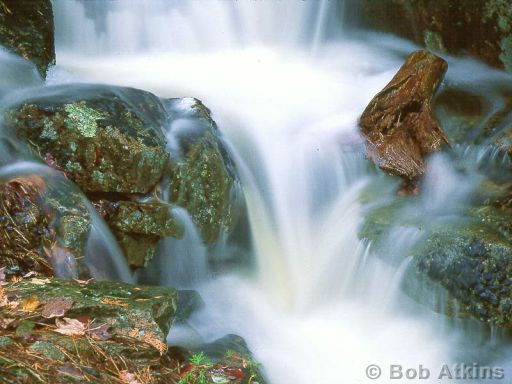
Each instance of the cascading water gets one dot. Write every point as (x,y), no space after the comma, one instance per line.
(320,306)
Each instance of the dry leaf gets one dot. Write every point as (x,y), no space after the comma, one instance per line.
(83,282)
(110,301)
(57,307)
(70,327)
(39,281)
(29,274)
(30,304)
(99,332)
(128,378)
(6,322)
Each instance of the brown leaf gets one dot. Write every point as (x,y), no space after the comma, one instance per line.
(99,332)
(128,378)
(6,322)
(30,304)
(37,281)
(70,327)
(57,307)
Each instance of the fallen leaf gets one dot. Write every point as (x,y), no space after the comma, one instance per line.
(6,322)
(70,327)
(109,301)
(83,282)
(128,378)
(29,274)
(37,281)
(69,370)
(30,304)
(57,307)
(99,332)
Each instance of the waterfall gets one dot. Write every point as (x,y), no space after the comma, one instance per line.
(320,305)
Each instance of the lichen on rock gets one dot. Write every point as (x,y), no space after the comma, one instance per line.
(203,178)
(96,135)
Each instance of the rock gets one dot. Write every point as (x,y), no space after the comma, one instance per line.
(107,333)
(26,28)
(139,226)
(149,218)
(123,307)
(480,28)
(203,177)
(473,263)
(398,123)
(43,228)
(105,139)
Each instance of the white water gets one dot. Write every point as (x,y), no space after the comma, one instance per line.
(319,307)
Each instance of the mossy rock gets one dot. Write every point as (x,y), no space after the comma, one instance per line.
(203,178)
(106,139)
(139,250)
(26,28)
(480,28)
(119,332)
(123,306)
(474,264)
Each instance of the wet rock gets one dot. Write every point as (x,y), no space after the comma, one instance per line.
(123,307)
(26,28)
(108,332)
(203,178)
(480,28)
(105,139)
(473,264)
(150,218)
(139,226)
(398,123)
(42,229)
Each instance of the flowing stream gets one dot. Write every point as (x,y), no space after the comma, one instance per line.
(286,86)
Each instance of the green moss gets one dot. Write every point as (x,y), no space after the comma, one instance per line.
(82,118)
(434,41)
(506,52)
(49,350)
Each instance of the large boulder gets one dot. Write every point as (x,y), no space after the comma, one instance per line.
(481,28)
(398,123)
(26,28)
(105,139)
(203,178)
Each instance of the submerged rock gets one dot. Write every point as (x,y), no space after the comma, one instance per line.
(26,28)
(481,28)
(105,139)
(203,178)
(398,123)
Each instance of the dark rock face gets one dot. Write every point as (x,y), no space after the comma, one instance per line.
(106,139)
(473,264)
(398,124)
(480,28)
(26,28)
(203,177)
